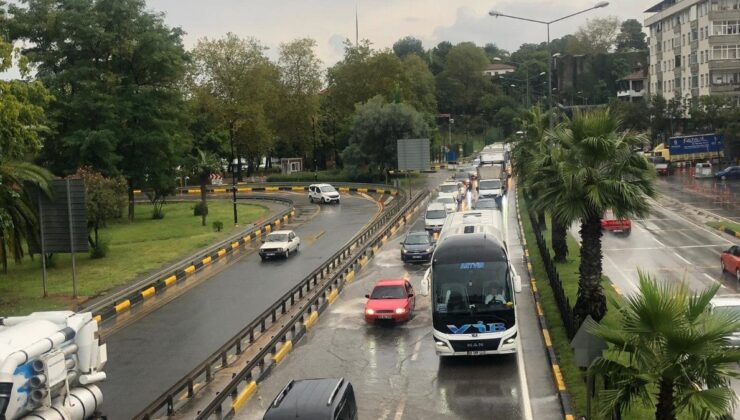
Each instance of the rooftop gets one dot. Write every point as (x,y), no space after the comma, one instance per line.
(500,66)
(661,6)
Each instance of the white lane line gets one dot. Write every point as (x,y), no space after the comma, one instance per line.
(712,233)
(400,408)
(417,347)
(619,270)
(714,280)
(682,258)
(659,243)
(523,378)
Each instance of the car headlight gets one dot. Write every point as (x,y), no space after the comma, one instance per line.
(429,249)
(369,312)
(400,310)
(403,250)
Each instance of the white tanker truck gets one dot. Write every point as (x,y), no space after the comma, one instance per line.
(49,365)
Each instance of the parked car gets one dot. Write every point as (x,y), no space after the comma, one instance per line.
(390,300)
(417,247)
(323,193)
(731,172)
(315,399)
(279,244)
(722,303)
(449,203)
(730,261)
(611,223)
(486,204)
(435,217)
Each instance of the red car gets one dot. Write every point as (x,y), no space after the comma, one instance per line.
(391,300)
(612,224)
(730,261)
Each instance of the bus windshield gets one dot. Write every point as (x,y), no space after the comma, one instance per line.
(471,287)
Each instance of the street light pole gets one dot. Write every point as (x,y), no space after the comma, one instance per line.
(233,173)
(549,52)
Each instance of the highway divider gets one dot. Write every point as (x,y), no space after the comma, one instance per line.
(563,396)
(135,294)
(270,337)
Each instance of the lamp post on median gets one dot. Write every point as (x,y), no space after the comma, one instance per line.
(549,53)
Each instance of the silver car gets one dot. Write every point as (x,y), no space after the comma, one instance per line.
(728,304)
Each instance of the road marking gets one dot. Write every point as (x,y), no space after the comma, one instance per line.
(619,270)
(714,280)
(523,378)
(417,347)
(682,258)
(400,408)
(659,243)
(667,210)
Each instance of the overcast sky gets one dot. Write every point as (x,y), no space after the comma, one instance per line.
(383,22)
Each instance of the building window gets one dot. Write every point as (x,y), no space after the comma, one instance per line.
(694,34)
(701,33)
(694,81)
(693,59)
(726,27)
(701,81)
(725,52)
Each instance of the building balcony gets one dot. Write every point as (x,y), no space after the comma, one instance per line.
(631,93)
(733,39)
(724,14)
(733,64)
(726,88)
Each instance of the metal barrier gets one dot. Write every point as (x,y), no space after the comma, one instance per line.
(337,269)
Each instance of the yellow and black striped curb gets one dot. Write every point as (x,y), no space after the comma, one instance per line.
(557,375)
(728,231)
(178,275)
(309,321)
(279,188)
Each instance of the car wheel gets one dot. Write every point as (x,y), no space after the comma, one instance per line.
(262,257)
(737,274)
(287,253)
(310,199)
(722,266)
(297,247)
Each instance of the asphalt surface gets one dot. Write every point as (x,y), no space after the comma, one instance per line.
(394,369)
(716,196)
(149,355)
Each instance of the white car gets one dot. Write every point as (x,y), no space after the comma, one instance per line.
(279,244)
(449,203)
(322,193)
(435,217)
(448,189)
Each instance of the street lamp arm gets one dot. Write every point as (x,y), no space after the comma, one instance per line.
(573,14)
(499,14)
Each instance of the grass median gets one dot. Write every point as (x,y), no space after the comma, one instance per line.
(135,248)
(722,225)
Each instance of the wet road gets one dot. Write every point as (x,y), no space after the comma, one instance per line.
(711,195)
(395,371)
(148,356)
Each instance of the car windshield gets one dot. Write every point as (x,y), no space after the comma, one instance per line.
(388,292)
(436,214)
(486,204)
(277,237)
(446,200)
(328,188)
(448,188)
(490,184)
(417,239)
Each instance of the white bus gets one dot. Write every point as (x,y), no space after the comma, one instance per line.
(473,286)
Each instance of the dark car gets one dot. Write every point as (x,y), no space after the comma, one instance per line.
(486,203)
(732,172)
(417,247)
(314,399)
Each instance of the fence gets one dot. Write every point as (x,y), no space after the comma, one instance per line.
(566,310)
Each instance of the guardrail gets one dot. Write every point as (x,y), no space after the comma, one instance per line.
(320,287)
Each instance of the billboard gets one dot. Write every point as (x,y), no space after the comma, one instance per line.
(700,143)
(414,155)
(56,220)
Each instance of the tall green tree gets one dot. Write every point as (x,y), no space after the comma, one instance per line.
(376,126)
(597,171)
(461,84)
(242,88)
(300,75)
(669,352)
(597,35)
(115,71)
(631,37)
(407,46)
(438,57)
(421,84)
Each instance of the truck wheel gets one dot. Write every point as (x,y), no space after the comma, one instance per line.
(627,232)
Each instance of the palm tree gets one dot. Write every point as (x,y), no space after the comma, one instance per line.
(596,170)
(18,220)
(531,162)
(670,341)
(202,166)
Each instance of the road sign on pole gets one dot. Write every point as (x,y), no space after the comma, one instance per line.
(414,155)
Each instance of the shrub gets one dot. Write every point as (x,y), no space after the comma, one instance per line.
(218,225)
(157,213)
(200,209)
(100,250)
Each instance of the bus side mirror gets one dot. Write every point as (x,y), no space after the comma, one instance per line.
(517,281)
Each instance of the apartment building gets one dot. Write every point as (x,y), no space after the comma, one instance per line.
(694,48)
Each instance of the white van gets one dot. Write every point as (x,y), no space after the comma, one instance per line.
(703,170)
(435,217)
